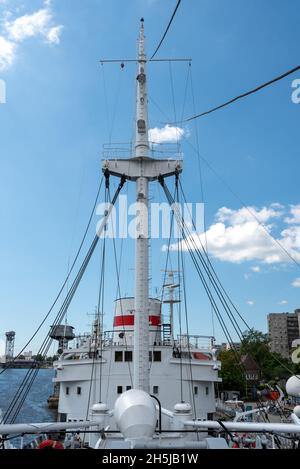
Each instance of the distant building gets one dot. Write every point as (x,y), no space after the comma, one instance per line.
(283,329)
(27,355)
(251,369)
(252,375)
(234,345)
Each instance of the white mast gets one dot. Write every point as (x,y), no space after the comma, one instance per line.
(142,169)
(141,318)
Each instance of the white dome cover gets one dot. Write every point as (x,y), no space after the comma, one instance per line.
(297,411)
(135,414)
(293,386)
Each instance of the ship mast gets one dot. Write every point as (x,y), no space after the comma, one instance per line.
(141,169)
(141,318)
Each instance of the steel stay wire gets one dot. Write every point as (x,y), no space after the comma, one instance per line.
(65,282)
(28,380)
(186,314)
(44,349)
(223,289)
(166,30)
(220,319)
(243,95)
(119,294)
(208,292)
(208,272)
(200,273)
(207,289)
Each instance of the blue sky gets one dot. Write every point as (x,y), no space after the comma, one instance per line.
(55,122)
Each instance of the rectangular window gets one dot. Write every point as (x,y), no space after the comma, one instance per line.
(119,389)
(195,390)
(67,390)
(150,356)
(157,356)
(118,356)
(128,356)
(207,391)
(62,417)
(155,389)
(128,388)
(79,391)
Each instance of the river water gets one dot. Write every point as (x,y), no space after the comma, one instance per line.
(35,408)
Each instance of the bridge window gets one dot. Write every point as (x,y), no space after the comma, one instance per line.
(206,390)
(155,389)
(118,356)
(128,388)
(128,356)
(157,356)
(79,391)
(119,389)
(67,390)
(195,390)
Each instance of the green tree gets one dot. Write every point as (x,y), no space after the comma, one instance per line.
(231,373)
(39,357)
(272,365)
(257,345)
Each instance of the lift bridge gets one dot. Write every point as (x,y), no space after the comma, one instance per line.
(9,345)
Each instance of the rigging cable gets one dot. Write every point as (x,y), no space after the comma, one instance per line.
(101,316)
(217,279)
(192,395)
(24,388)
(207,257)
(200,176)
(231,316)
(159,331)
(194,259)
(179,311)
(288,254)
(119,294)
(206,287)
(244,95)
(115,106)
(95,330)
(47,342)
(166,30)
(65,282)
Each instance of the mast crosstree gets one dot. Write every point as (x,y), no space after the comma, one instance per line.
(142,169)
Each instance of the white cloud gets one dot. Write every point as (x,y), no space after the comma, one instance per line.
(256,268)
(283,302)
(18,29)
(29,25)
(54,33)
(295,212)
(166,134)
(296,283)
(7,53)
(236,237)
(250,302)
(248,214)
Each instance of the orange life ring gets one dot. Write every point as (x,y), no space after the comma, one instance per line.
(50,444)
(274,395)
